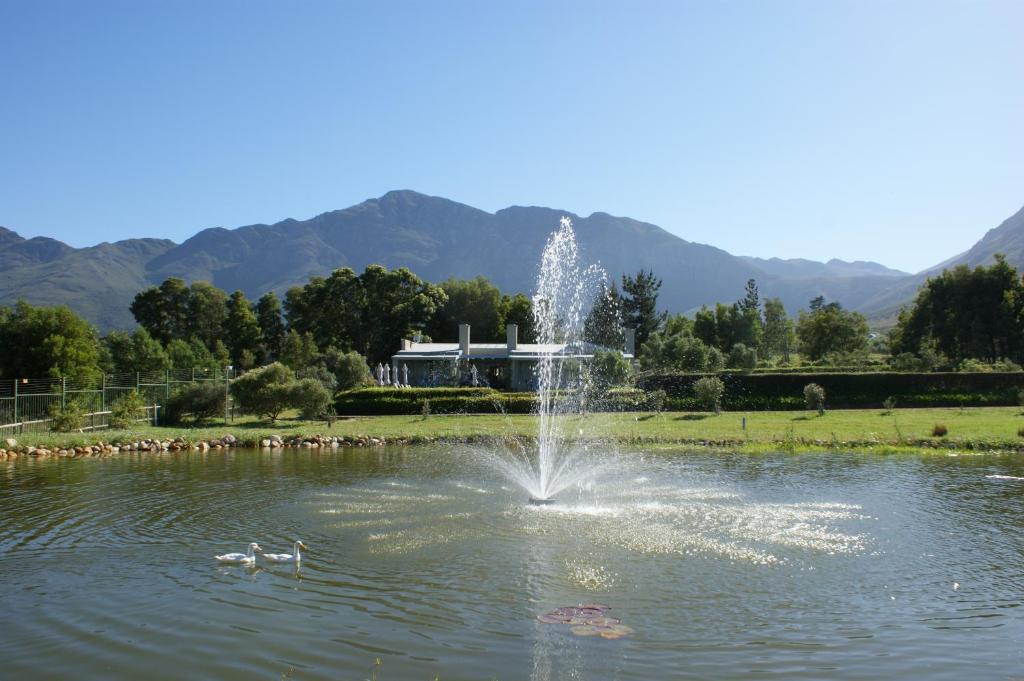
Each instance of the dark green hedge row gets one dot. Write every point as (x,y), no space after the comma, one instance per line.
(391,401)
(847,390)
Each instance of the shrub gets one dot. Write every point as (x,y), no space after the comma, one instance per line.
(319,373)
(940,430)
(889,404)
(609,368)
(352,371)
(742,357)
(425,410)
(656,400)
(126,410)
(814,397)
(974,366)
(1020,398)
(1020,432)
(67,418)
(203,400)
(310,397)
(708,392)
(266,391)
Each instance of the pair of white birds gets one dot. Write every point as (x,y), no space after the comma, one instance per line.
(249,558)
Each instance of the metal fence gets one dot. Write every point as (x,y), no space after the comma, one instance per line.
(26,403)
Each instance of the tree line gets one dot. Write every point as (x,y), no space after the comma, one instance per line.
(329,328)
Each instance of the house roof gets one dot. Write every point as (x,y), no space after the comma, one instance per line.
(523,351)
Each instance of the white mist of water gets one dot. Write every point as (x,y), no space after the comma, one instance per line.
(565,292)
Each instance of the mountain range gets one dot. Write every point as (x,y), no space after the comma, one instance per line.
(437,238)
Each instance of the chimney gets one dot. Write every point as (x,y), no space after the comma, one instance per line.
(630,341)
(406,344)
(512,334)
(464,339)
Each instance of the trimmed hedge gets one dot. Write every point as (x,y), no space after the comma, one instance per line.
(846,390)
(409,401)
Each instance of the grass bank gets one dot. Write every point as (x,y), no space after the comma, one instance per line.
(968,429)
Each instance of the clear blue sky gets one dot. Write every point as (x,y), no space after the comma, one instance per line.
(891,131)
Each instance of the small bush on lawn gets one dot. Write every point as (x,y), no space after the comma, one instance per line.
(889,404)
(814,397)
(266,391)
(66,419)
(202,400)
(1020,432)
(708,392)
(126,410)
(310,397)
(940,430)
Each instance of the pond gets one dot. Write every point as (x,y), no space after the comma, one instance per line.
(723,566)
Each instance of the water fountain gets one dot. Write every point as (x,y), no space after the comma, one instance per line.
(565,292)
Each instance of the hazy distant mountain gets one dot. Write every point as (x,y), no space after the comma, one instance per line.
(98,282)
(1007,238)
(798,268)
(436,238)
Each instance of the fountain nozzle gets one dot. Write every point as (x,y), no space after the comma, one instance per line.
(534,501)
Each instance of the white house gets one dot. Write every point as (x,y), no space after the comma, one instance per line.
(509,364)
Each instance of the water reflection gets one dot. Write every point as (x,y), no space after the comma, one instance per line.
(782,566)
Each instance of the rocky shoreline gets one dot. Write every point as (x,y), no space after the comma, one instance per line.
(13,450)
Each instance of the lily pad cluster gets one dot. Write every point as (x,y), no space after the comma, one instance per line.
(587,620)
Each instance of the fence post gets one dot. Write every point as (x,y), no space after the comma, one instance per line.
(227,396)
(15,400)
(63,393)
(103,392)
(167,385)
(193,374)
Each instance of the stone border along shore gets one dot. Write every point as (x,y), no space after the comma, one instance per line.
(12,450)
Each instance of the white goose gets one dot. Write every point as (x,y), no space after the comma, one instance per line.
(248,558)
(287,557)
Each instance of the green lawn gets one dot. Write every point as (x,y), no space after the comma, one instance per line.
(969,428)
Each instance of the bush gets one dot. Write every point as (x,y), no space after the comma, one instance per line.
(319,373)
(1020,432)
(814,397)
(609,368)
(202,400)
(352,371)
(266,391)
(889,404)
(1020,398)
(67,418)
(940,430)
(310,397)
(126,410)
(708,392)
(742,357)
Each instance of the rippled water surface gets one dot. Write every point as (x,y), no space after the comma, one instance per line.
(726,566)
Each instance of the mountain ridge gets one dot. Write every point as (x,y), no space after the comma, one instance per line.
(436,238)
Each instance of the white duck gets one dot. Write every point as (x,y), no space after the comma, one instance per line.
(287,557)
(248,558)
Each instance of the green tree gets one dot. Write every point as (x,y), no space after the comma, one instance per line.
(966,314)
(708,392)
(518,310)
(51,342)
(164,311)
(272,332)
(138,352)
(680,351)
(748,328)
(397,305)
(208,311)
(828,329)
(298,351)
(476,302)
(603,325)
(779,331)
(640,305)
(241,330)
